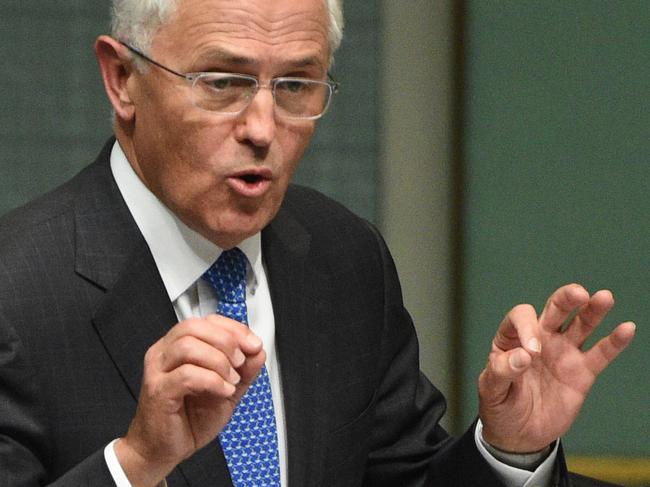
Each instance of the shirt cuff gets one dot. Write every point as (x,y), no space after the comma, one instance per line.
(114,467)
(517,477)
(119,477)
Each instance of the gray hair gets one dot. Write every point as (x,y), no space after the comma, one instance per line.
(137,21)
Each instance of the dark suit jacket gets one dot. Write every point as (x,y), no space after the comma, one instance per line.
(81,300)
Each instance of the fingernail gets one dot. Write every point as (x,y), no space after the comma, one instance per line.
(239,358)
(534,345)
(229,389)
(516,361)
(234,377)
(254,340)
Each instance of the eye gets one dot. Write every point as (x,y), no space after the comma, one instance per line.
(220,84)
(295,86)
(292,86)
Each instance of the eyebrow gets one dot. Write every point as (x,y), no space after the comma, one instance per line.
(307,62)
(229,57)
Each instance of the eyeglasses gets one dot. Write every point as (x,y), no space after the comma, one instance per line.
(230,94)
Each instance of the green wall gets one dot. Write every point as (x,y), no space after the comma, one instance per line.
(54,117)
(557,131)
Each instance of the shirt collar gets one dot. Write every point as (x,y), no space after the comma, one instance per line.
(181,254)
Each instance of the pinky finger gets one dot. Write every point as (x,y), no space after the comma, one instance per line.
(607,349)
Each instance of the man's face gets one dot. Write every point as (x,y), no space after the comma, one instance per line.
(226,176)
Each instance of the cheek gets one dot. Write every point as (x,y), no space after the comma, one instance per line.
(194,159)
(197,141)
(294,141)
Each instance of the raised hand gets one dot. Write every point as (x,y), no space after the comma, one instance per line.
(537,376)
(193,378)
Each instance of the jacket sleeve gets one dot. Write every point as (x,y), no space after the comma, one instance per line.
(410,448)
(24,455)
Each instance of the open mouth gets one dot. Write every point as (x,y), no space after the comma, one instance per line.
(251,183)
(251,178)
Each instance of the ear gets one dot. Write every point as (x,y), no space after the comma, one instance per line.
(116,70)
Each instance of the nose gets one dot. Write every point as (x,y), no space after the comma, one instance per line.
(256,124)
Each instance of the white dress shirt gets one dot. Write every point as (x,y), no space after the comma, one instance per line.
(182,256)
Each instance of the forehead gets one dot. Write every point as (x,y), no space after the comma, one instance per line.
(257,31)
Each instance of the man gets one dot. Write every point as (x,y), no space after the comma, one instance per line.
(114,367)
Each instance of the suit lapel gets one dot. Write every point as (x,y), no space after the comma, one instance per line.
(295,287)
(134,310)
(135,314)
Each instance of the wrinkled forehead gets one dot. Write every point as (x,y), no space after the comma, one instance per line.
(254,30)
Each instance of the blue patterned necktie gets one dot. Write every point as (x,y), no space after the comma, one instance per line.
(249,441)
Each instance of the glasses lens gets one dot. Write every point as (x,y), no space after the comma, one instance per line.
(223,93)
(301,98)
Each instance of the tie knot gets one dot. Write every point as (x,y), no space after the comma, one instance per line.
(228,276)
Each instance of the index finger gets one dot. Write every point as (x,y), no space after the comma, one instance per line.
(518,329)
(561,304)
(249,342)
(229,336)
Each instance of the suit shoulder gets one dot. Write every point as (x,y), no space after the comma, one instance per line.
(323,215)
(31,222)
(36,212)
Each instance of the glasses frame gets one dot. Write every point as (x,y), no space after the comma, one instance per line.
(330,83)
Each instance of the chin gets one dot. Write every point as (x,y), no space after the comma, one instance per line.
(227,236)
(234,223)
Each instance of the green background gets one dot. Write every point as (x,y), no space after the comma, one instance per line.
(557,146)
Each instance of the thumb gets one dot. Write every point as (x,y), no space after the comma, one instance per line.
(502,369)
(249,372)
